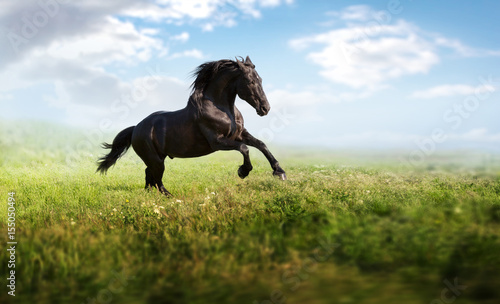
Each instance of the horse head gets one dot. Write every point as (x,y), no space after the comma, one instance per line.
(249,87)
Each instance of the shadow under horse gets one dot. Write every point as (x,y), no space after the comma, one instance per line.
(210,122)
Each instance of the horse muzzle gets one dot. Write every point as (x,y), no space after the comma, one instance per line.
(263,110)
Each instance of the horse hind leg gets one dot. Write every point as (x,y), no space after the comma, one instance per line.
(156,174)
(154,171)
(149,179)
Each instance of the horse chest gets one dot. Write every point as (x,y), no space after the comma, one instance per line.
(226,124)
(233,128)
(229,128)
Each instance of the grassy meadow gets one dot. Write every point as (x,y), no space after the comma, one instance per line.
(344,227)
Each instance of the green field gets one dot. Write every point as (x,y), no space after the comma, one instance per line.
(344,228)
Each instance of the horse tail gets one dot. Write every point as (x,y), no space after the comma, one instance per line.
(120,145)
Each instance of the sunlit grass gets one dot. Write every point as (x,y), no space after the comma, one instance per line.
(336,232)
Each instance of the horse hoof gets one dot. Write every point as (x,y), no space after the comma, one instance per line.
(280,175)
(242,172)
(165,192)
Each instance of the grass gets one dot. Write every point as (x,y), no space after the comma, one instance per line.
(336,232)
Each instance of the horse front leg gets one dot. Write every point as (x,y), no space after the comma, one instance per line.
(248,139)
(226,144)
(245,169)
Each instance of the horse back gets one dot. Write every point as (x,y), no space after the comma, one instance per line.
(172,134)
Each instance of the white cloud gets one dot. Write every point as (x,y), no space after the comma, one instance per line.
(303,104)
(72,55)
(79,57)
(193,53)
(464,50)
(173,9)
(116,41)
(100,95)
(364,57)
(368,52)
(6,96)
(20,33)
(308,98)
(452,90)
(360,94)
(182,37)
(288,107)
(294,98)
(30,25)
(207,13)
(478,135)
(354,12)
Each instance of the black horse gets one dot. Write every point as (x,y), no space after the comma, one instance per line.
(210,122)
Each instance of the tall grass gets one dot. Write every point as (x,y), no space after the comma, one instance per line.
(335,232)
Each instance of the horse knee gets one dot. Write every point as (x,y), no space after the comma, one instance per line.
(244,150)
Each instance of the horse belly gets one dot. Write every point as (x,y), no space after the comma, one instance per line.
(186,142)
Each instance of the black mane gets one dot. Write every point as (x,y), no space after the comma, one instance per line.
(206,72)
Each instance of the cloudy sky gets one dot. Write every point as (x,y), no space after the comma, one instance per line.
(418,75)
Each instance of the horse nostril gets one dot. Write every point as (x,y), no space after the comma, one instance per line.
(265,108)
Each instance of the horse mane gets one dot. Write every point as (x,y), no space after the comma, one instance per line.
(205,73)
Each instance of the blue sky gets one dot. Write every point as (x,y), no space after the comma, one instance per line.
(417,75)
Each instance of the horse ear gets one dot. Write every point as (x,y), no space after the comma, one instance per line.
(249,62)
(241,64)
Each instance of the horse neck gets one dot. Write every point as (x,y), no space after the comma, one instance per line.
(222,91)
